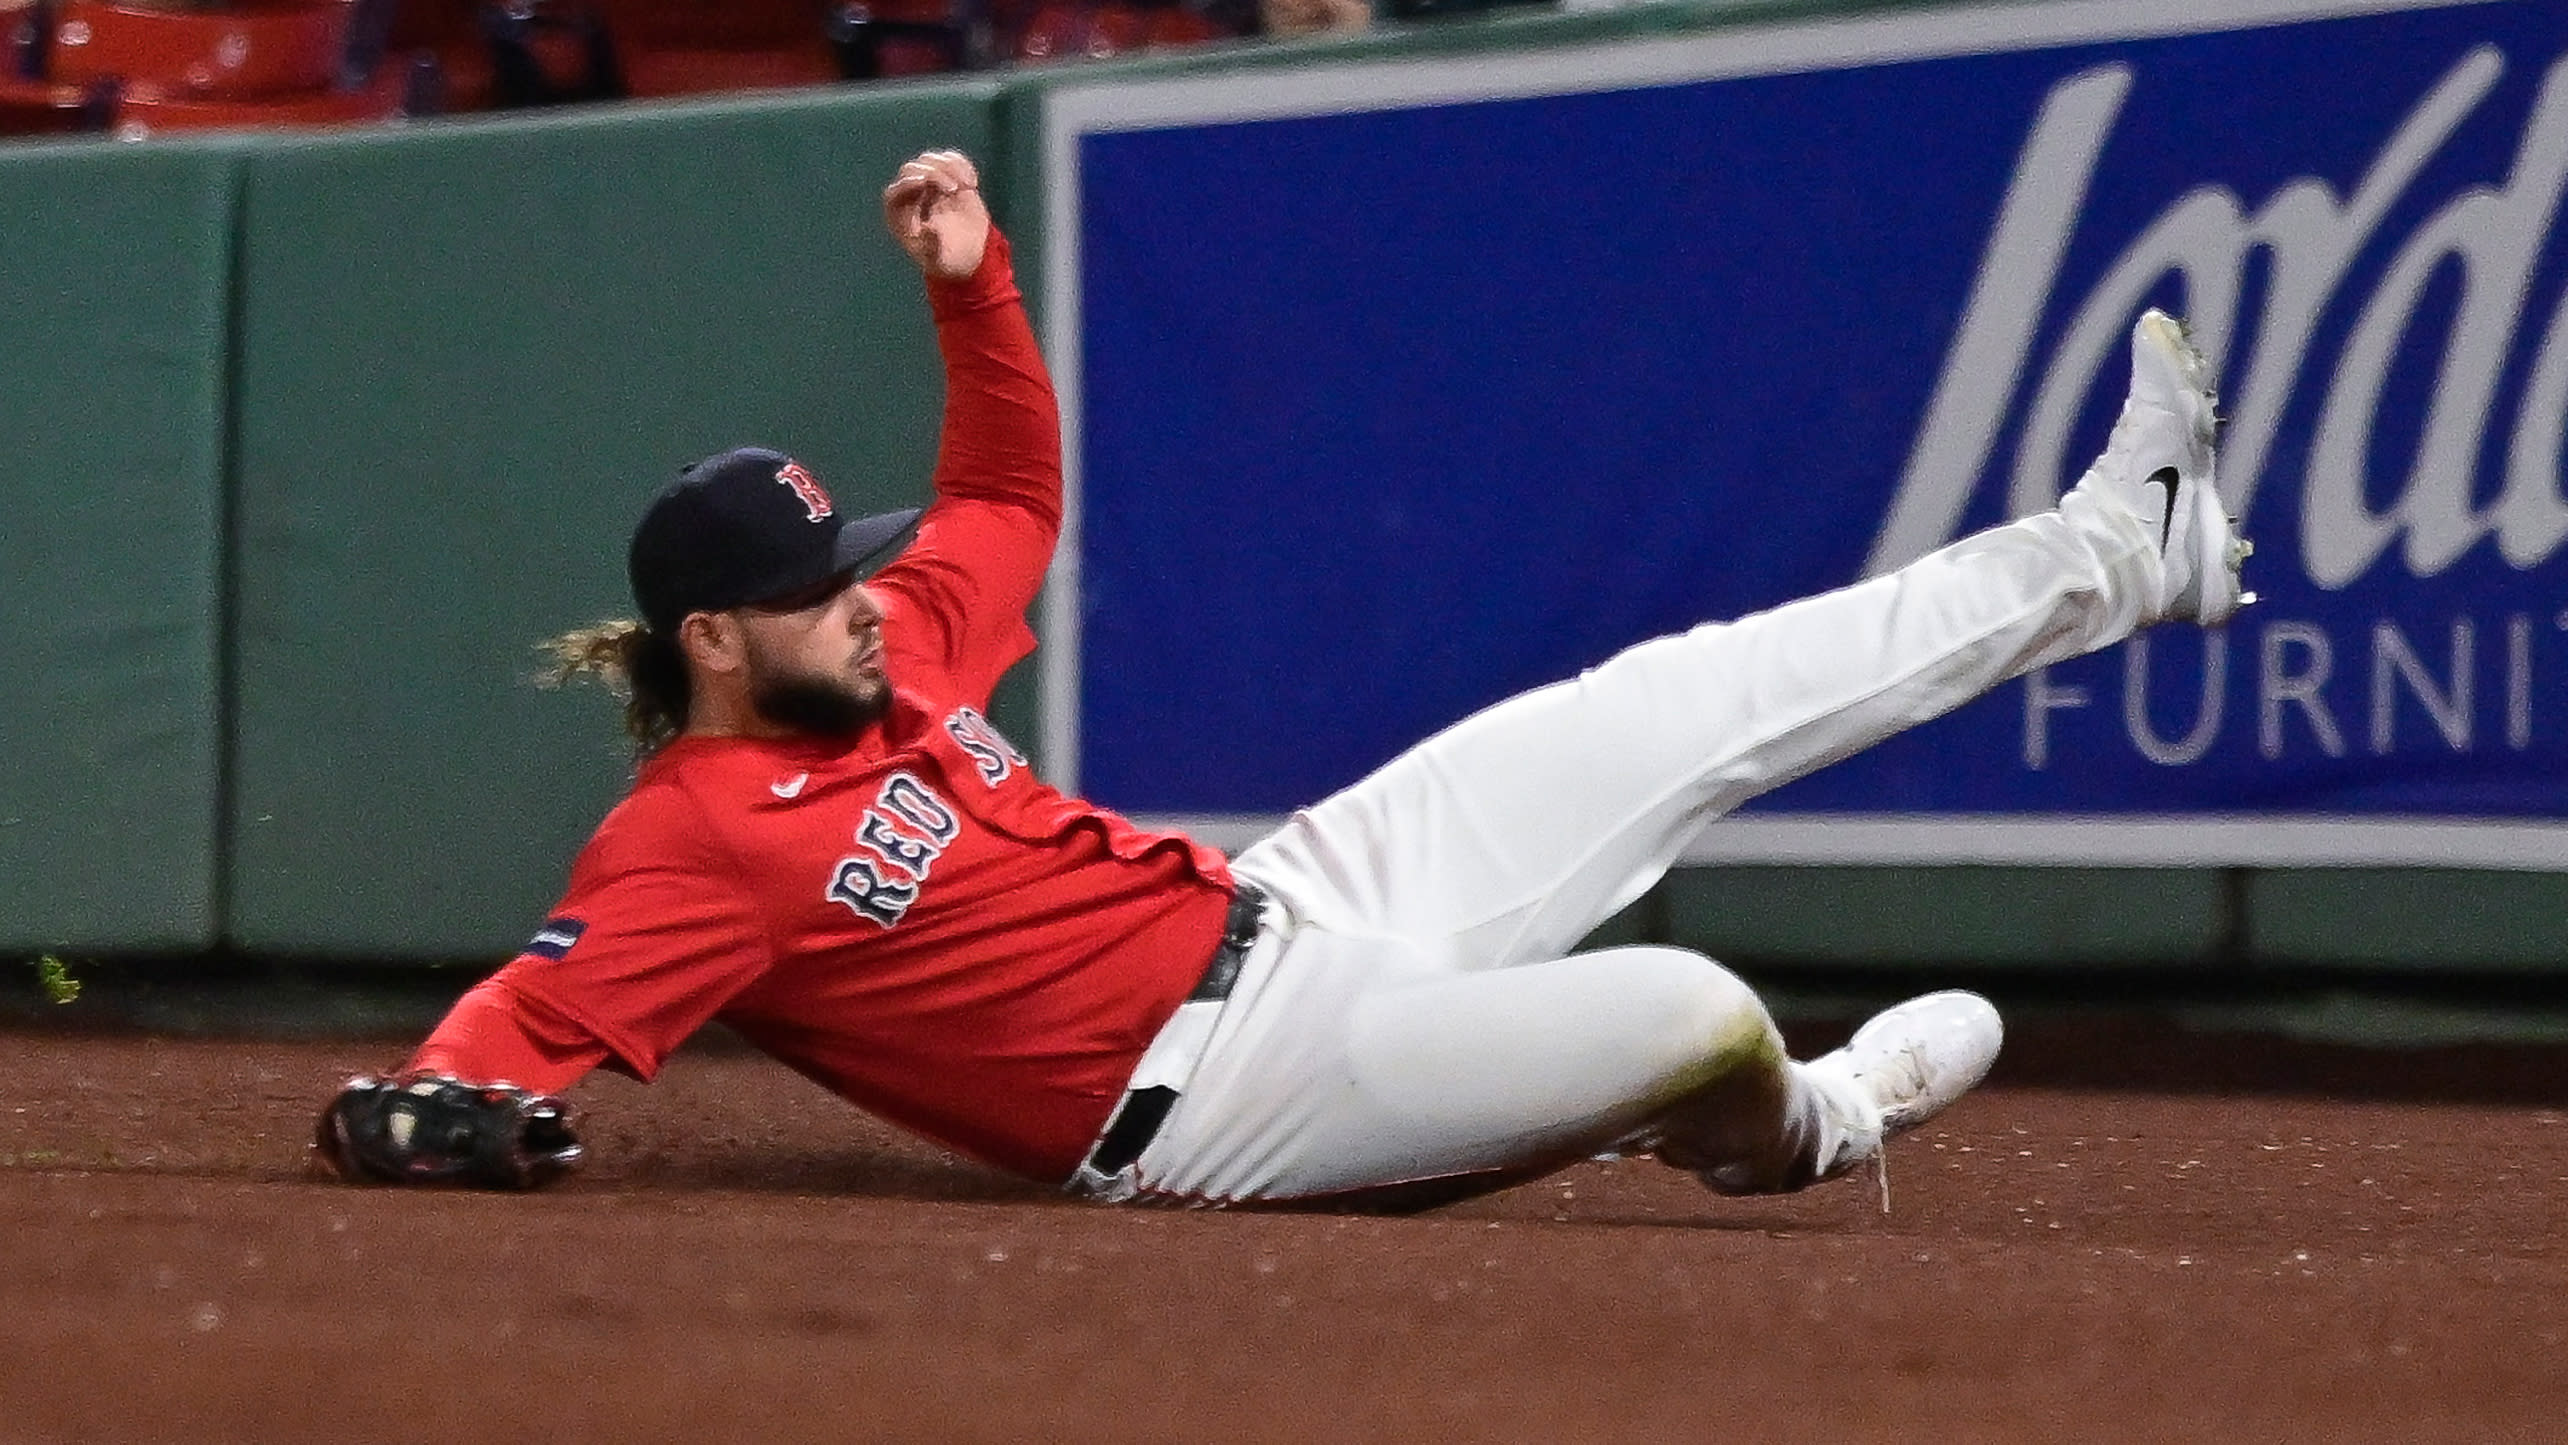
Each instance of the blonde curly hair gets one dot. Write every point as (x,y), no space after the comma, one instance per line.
(641,667)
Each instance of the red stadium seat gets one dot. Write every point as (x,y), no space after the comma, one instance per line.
(540,52)
(1094,29)
(37,107)
(245,51)
(692,47)
(1055,31)
(509,53)
(1176,26)
(875,38)
(675,70)
(397,91)
(551,52)
(1115,28)
(744,25)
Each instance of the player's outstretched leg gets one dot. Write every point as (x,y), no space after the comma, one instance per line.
(1904,1066)
(1510,835)
(2159,464)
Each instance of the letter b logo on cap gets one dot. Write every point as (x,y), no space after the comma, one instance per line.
(815,501)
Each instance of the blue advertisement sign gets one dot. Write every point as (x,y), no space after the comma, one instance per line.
(1395,389)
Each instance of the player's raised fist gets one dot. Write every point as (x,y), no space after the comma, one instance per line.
(934,209)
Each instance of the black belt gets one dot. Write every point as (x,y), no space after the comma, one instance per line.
(1137,1119)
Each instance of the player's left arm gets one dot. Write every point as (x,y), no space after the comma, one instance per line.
(651,940)
(986,541)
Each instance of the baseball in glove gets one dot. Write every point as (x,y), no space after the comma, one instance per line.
(437,1129)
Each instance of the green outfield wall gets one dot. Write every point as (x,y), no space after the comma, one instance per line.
(315,437)
(115,277)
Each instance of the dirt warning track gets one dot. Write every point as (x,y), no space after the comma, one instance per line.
(746,1258)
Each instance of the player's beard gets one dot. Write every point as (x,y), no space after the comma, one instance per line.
(817,703)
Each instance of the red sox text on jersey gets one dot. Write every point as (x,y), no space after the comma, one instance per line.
(909,825)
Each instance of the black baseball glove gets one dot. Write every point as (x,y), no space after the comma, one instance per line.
(437,1129)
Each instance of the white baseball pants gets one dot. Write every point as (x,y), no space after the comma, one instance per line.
(1409,1014)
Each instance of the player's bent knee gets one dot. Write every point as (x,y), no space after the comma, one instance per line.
(1709,1023)
(1724,1108)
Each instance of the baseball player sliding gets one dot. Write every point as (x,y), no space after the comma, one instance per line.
(829,848)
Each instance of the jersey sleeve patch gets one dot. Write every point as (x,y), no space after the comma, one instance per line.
(555,938)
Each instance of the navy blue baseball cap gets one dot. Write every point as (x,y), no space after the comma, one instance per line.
(743,526)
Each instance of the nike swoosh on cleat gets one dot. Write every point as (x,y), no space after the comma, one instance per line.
(2168,478)
(789,788)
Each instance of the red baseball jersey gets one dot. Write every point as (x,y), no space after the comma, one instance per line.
(914,920)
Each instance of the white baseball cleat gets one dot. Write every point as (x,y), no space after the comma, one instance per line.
(2159,466)
(1906,1064)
